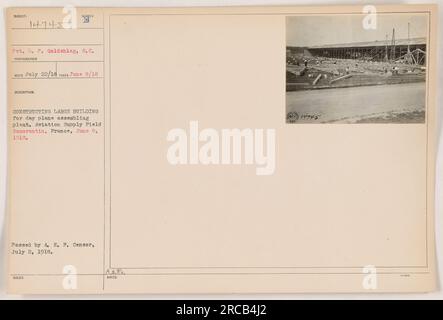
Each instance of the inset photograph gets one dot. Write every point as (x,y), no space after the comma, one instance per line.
(341,70)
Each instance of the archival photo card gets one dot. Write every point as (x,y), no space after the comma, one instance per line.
(354,68)
(150,150)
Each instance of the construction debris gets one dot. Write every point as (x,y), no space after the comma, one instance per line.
(354,64)
(316,80)
(340,78)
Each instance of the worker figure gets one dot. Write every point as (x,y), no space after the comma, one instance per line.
(306,62)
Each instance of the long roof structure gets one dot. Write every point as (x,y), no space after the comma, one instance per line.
(398,42)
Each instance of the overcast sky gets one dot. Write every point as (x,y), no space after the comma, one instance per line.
(333,29)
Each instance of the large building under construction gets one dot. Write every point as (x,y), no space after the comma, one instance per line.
(339,72)
(412,51)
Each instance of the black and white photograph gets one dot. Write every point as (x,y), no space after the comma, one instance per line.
(218,157)
(351,68)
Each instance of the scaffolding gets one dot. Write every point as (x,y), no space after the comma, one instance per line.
(390,50)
